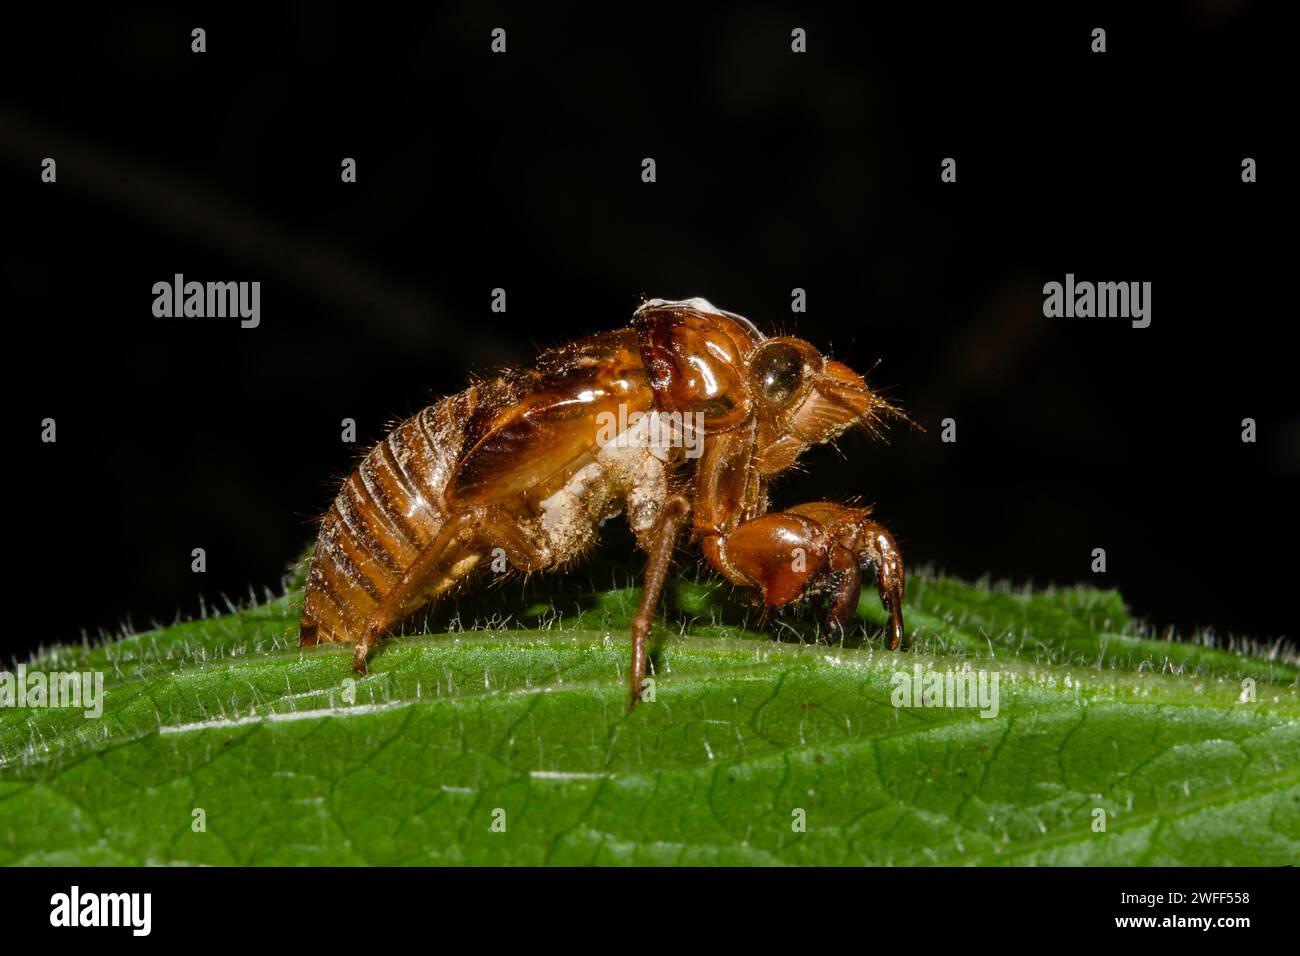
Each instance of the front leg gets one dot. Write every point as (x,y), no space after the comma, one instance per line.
(812,548)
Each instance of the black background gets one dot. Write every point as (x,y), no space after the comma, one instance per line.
(775,171)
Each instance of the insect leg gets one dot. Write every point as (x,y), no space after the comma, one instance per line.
(876,548)
(671,520)
(462,532)
(845,579)
(779,553)
(821,546)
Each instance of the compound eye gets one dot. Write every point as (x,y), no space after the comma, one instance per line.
(779,371)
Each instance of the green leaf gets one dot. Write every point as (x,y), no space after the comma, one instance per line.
(748,736)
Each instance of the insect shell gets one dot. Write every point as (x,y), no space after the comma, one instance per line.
(680,420)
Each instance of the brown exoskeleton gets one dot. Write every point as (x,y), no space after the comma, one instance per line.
(680,420)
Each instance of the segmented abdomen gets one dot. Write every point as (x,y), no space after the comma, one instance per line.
(388,510)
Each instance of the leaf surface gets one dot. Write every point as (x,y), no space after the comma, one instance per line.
(755,751)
